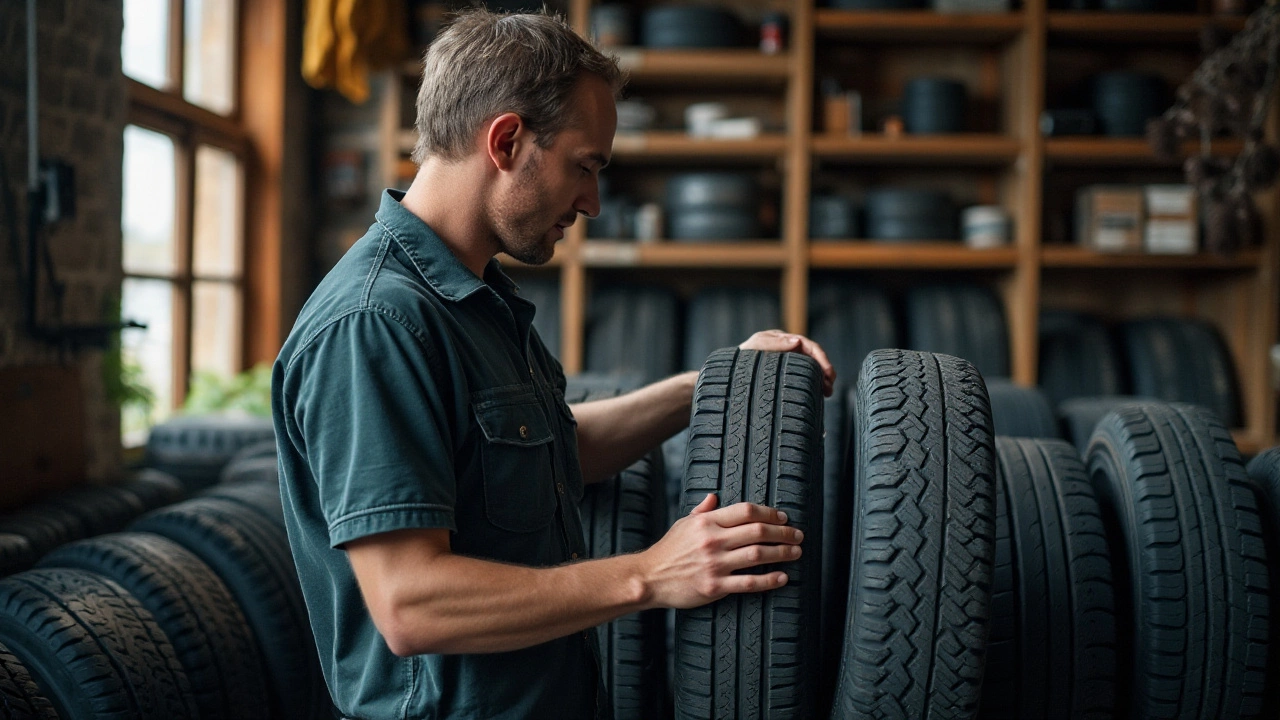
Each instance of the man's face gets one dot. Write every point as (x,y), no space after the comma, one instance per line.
(552,186)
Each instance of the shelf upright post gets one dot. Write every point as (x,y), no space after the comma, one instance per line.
(573,276)
(1022,295)
(795,231)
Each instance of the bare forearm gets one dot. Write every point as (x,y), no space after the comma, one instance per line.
(616,432)
(466,605)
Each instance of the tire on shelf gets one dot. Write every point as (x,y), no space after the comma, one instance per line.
(44,525)
(195,448)
(266,448)
(724,317)
(262,497)
(20,698)
(966,321)
(1264,472)
(633,330)
(624,515)
(1190,564)
(1183,361)
(250,553)
(1018,411)
(16,553)
(1077,358)
(849,322)
(1052,650)
(102,509)
(92,648)
(194,609)
(919,596)
(755,436)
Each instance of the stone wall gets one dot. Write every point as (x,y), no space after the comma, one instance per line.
(82,116)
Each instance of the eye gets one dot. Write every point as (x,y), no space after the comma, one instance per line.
(585,170)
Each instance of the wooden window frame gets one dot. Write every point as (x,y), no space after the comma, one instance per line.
(254,133)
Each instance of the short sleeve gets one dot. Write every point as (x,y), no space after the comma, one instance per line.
(373,414)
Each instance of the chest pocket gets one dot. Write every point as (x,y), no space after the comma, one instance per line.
(519,493)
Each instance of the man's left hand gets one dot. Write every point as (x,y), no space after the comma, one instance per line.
(779,341)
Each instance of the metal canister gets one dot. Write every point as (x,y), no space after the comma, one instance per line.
(773,33)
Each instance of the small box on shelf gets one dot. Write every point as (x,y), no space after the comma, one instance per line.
(1109,218)
(1172,226)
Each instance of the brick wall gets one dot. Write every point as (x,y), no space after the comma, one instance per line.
(82,118)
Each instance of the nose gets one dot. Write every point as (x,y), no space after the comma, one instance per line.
(588,202)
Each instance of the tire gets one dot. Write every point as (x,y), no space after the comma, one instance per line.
(849,321)
(837,531)
(194,609)
(919,600)
(256,450)
(264,469)
(1053,639)
(20,698)
(1183,361)
(960,320)
(1264,472)
(1190,564)
(625,515)
(45,526)
(101,509)
(195,448)
(633,330)
(724,317)
(755,436)
(1021,412)
(156,489)
(92,648)
(1077,358)
(258,496)
(1079,416)
(16,554)
(251,555)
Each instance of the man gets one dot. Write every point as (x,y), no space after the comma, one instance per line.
(430,467)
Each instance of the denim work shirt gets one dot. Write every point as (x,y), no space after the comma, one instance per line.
(411,394)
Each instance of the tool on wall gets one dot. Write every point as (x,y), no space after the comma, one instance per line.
(50,199)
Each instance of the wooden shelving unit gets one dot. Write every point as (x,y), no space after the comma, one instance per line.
(1013,60)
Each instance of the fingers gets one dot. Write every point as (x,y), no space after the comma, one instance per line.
(753,583)
(753,555)
(779,341)
(755,533)
(707,505)
(743,513)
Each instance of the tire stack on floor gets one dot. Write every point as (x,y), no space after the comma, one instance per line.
(988,577)
(194,612)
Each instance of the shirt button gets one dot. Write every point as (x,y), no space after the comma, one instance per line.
(524,432)
(574,555)
(530,371)
(560,488)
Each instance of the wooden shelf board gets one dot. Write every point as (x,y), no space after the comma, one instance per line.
(963,148)
(664,253)
(703,67)
(918,26)
(1135,27)
(1074,257)
(675,145)
(1111,152)
(937,255)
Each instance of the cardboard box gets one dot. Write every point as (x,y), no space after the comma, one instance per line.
(1111,218)
(1173,223)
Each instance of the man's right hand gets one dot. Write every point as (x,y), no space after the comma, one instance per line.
(696,561)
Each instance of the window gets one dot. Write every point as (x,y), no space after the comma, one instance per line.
(183,198)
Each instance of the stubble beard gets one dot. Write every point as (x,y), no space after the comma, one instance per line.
(519,222)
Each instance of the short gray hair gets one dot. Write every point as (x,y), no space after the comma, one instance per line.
(485,64)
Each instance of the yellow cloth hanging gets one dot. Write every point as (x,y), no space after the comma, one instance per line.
(346,39)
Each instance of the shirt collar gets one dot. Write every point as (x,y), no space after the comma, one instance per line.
(435,262)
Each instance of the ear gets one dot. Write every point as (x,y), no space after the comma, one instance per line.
(505,139)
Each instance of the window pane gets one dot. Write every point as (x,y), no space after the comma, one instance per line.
(209,67)
(149,202)
(215,328)
(145,47)
(149,302)
(219,219)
